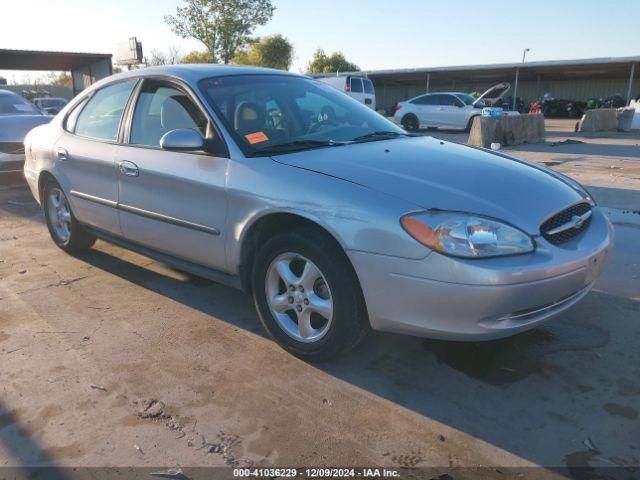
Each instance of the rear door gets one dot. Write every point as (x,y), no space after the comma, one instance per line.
(85,163)
(369,93)
(356,89)
(172,201)
(425,107)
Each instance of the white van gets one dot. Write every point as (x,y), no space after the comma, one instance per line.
(360,88)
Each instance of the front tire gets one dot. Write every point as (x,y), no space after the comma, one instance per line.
(65,230)
(307,295)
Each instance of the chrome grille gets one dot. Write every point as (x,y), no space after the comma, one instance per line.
(558,229)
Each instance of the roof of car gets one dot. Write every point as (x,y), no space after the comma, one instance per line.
(195,72)
(9,93)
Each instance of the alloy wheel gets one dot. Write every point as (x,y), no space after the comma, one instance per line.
(299,297)
(59,214)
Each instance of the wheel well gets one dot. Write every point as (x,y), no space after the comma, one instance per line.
(43,178)
(265,228)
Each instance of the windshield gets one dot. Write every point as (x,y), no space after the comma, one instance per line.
(264,112)
(466,98)
(11,104)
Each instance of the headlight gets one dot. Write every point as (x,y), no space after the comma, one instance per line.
(466,235)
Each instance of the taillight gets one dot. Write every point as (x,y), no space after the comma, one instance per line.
(347,88)
(397,107)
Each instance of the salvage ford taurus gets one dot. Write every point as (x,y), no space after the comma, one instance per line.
(335,219)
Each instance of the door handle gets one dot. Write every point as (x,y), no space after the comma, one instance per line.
(128,169)
(62,154)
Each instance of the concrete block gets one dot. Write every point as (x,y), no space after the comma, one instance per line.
(599,120)
(507,130)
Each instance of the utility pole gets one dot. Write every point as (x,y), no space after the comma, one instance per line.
(515,88)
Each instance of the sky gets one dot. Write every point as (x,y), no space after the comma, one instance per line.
(374,34)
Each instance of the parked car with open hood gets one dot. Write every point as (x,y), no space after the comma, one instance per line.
(334,219)
(17,117)
(449,110)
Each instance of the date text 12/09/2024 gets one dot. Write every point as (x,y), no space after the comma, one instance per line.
(316,472)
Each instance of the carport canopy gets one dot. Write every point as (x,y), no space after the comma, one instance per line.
(85,68)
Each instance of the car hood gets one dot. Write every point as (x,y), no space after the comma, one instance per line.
(13,128)
(432,174)
(494,93)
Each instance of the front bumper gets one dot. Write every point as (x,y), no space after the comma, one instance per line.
(465,299)
(11,165)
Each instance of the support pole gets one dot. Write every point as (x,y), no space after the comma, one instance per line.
(630,87)
(515,89)
(428,81)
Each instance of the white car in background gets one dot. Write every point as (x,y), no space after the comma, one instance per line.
(448,110)
(357,87)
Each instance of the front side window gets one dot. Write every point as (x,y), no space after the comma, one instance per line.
(466,98)
(449,101)
(161,108)
(263,112)
(100,117)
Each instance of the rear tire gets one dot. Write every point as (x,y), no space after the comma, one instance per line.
(410,123)
(66,232)
(315,315)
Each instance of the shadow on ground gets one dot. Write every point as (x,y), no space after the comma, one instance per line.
(540,388)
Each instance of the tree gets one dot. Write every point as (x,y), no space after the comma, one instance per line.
(157,58)
(63,79)
(197,57)
(273,52)
(222,26)
(336,62)
(171,57)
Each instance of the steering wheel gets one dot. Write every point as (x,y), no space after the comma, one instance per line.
(326,117)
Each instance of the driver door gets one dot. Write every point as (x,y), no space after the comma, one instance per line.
(172,201)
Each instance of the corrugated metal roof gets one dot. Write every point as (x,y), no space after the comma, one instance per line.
(586,62)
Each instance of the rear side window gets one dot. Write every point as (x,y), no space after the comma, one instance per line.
(356,85)
(426,100)
(100,117)
(368,87)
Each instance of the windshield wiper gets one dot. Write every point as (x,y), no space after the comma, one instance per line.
(296,145)
(381,134)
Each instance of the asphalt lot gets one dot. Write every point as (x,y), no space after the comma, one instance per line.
(112,359)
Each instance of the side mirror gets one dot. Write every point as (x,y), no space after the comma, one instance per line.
(51,111)
(182,139)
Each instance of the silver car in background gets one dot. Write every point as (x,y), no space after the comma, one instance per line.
(333,218)
(17,117)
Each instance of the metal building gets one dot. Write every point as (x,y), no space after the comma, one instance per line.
(567,79)
(85,68)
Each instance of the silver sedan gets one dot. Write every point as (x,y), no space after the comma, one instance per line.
(334,219)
